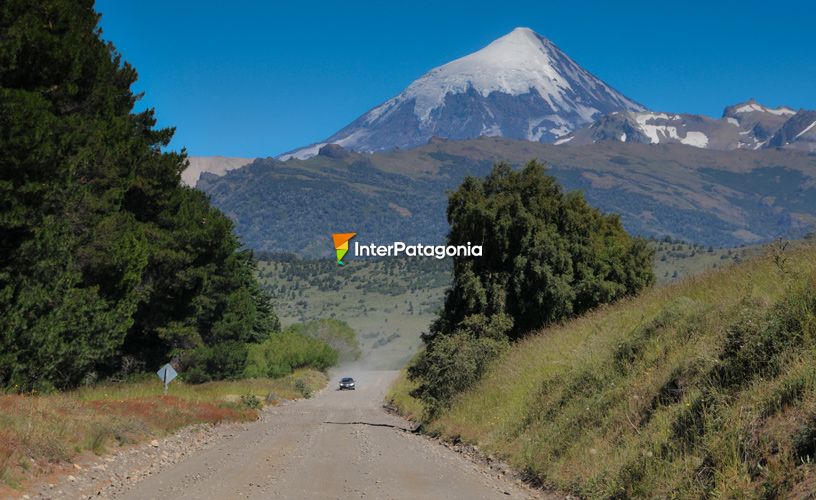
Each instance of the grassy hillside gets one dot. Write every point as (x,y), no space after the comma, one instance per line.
(676,260)
(703,388)
(390,302)
(39,433)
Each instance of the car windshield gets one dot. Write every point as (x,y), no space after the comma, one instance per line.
(347,379)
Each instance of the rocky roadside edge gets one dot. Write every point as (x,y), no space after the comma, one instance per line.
(112,474)
(488,464)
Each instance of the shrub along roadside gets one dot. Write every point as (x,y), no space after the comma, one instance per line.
(284,352)
(40,433)
(279,355)
(547,256)
(702,389)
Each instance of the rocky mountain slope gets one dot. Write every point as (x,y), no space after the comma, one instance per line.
(747,125)
(797,133)
(521,86)
(719,198)
(217,165)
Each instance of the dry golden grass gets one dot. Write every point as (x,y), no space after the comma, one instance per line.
(39,432)
(703,388)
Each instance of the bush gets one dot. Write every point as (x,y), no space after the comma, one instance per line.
(251,401)
(337,334)
(755,346)
(221,361)
(451,364)
(303,388)
(804,440)
(284,352)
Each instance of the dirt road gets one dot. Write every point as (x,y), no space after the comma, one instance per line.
(335,445)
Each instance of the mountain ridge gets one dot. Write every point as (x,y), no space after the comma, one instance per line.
(718,198)
(745,125)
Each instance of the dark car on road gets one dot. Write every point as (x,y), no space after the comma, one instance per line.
(347,383)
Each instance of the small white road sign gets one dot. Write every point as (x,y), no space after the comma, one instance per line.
(167,374)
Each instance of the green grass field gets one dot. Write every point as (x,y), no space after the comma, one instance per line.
(701,389)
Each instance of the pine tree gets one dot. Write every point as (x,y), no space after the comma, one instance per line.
(103,253)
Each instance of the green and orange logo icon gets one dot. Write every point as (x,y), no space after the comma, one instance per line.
(341,245)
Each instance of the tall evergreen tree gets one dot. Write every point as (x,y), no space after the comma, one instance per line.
(102,251)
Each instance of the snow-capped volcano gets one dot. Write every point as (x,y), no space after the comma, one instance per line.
(520,86)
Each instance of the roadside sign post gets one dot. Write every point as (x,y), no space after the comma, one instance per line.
(167,374)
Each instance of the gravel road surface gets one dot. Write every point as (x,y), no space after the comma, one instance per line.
(340,444)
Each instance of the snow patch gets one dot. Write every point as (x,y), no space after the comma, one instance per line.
(560,131)
(492,131)
(800,134)
(658,133)
(752,107)
(642,118)
(654,132)
(303,154)
(696,139)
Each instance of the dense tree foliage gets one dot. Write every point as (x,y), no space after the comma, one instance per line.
(105,259)
(546,256)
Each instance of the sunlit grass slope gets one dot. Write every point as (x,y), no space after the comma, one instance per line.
(703,388)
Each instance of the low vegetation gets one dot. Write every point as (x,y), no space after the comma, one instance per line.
(705,388)
(676,260)
(284,352)
(41,432)
(399,398)
(336,334)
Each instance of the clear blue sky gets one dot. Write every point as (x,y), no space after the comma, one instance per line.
(246,78)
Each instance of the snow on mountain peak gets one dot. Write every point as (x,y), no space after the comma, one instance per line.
(514,64)
(751,106)
(520,86)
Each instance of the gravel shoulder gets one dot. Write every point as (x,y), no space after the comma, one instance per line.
(339,444)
